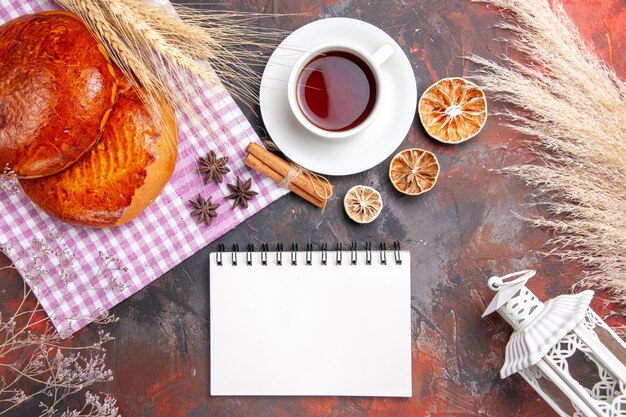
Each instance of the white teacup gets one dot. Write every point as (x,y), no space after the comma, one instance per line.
(373,60)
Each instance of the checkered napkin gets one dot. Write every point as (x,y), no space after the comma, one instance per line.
(79,273)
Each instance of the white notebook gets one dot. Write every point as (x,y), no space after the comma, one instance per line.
(311,322)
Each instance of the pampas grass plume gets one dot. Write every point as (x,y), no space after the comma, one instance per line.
(574,108)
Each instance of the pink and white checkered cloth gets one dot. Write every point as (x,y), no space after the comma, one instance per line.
(76,273)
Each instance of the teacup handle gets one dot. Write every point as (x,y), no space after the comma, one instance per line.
(382,54)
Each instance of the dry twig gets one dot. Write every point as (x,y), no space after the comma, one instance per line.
(35,364)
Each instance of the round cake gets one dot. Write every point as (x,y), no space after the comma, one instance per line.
(57,88)
(120,176)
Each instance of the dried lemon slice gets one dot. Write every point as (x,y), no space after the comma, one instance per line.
(363,204)
(453,110)
(414,171)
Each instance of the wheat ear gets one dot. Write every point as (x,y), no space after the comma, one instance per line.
(174,54)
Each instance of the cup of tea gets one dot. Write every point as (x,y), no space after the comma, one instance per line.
(334,88)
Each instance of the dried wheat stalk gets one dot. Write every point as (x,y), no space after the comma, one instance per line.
(574,108)
(173,53)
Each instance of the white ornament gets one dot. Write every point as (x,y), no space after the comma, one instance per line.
(562,348)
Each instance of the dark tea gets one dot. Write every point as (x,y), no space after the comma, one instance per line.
(336,91)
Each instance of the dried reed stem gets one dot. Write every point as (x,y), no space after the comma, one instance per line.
(574,107)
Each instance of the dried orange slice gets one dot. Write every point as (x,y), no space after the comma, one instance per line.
(414,171)
(363,204)
(453,110)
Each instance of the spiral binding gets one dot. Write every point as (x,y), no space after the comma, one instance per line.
(234,254)
(279,254)
(264,249)
(249,250)
(396,252)
(293,255)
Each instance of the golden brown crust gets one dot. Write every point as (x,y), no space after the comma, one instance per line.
(120,176)
(160,170)
(57,88)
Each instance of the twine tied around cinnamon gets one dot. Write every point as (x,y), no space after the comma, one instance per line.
(294,171)
(311,186)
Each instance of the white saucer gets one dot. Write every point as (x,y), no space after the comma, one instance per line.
(369,147)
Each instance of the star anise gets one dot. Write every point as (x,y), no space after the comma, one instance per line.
(213,167)
(204,209)
(241,192)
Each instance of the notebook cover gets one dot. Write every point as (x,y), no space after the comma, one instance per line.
(314,329)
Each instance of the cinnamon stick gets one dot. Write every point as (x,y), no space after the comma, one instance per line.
(308,187)
(311,185)
(258,165)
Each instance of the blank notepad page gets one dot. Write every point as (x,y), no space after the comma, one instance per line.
(310,329)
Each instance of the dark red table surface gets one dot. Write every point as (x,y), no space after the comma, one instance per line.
(459,234)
